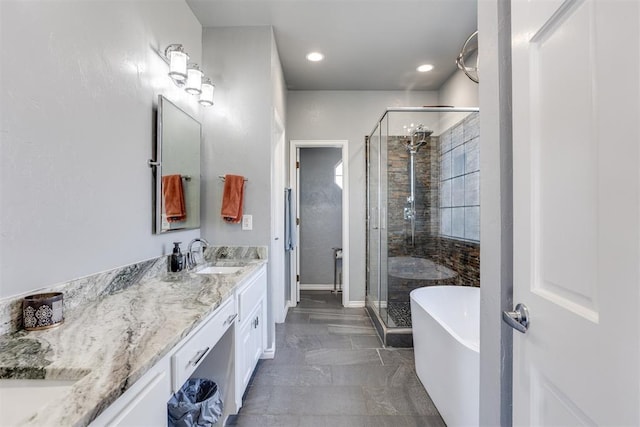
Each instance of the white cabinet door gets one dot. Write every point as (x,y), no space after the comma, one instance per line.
(252,343)
(244,355)
(258,337)
(576,197)
(144,404)
(250,346)
(149,408)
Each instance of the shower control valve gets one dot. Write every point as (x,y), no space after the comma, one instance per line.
(408,213)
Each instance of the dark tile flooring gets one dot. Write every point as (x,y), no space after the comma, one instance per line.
(331,370)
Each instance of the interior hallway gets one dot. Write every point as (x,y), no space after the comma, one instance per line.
(331,370)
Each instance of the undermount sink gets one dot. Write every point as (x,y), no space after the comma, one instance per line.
(219,270)
(19,398)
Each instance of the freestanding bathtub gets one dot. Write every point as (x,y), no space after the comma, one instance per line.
(446,342)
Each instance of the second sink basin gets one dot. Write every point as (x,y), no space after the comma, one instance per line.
(20,398)
(219,270)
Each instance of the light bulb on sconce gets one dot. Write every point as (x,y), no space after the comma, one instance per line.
(194,80)
(206,97)
(177,58)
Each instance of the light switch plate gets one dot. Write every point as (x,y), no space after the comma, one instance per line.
(247,222)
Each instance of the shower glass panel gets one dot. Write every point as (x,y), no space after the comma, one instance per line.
(423,207)
(373,219)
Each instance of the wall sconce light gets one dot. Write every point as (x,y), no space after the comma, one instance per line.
(206,97)
(194,80)
(177,58)
(187,75)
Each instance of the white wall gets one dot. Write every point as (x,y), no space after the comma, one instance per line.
(244,65)
(278,84)
(237,135)
(458,91)
(348,115)
(78,85)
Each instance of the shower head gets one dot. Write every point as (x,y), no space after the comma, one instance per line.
(422,133)
(418,138)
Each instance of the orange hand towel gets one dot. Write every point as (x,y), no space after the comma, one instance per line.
(173,196)
(232,198)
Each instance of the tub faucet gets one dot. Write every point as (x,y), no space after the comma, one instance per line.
(191,255)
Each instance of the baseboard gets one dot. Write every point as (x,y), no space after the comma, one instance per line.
(269,353)
(283,315)
(316,287)
(354,304)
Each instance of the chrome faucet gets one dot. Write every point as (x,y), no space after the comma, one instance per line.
(191,255)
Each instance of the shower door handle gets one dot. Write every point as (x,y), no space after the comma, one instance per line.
(517,319)
(374,219)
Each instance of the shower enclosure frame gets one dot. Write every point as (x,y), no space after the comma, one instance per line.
(376,220)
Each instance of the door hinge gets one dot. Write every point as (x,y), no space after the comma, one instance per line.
(297,165)
(297,277)
(297,221)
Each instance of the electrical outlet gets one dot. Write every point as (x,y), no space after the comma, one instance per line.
(247,222)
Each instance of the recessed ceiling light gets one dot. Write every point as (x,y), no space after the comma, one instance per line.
(315,56)
(424,68)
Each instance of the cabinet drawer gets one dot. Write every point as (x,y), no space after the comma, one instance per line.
(250,294)
(187,359)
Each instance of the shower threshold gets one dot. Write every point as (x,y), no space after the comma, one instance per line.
(391,337)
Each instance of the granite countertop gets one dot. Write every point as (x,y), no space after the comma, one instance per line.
(108,344)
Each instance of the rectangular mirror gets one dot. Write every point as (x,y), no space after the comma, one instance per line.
(177,169)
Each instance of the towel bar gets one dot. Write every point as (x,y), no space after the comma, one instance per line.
(222,178)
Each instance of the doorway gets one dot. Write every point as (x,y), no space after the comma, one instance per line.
(321,195)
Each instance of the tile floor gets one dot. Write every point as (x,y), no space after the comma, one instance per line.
(331,370)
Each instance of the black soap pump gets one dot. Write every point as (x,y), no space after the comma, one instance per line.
(177,259)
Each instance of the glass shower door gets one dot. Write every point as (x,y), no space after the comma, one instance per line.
(373,220)
(383,189)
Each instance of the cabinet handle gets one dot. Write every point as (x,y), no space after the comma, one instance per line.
(199,355)
(257,321)
(230,319)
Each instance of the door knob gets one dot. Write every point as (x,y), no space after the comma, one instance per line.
(517,319)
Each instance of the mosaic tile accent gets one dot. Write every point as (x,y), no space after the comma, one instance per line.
(400,313)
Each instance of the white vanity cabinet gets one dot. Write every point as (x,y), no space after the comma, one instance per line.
(251,330)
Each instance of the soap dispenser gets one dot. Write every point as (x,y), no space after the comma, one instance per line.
(177,259)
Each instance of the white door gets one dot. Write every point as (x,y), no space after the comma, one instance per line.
(576,196)
(296,188)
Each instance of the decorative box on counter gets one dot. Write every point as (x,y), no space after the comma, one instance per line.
(42,311)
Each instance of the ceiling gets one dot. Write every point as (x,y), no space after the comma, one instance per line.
(368,45)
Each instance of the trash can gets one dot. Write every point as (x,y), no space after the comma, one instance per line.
(196,404)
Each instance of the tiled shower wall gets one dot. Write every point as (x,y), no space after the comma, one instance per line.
(426,190)
(460,253)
